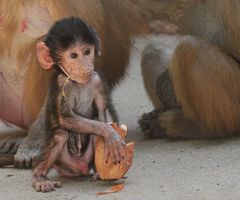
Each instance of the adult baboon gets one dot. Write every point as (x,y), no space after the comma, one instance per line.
(196,90)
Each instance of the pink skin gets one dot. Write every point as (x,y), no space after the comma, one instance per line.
(77,165)
(11,105)
(24,25)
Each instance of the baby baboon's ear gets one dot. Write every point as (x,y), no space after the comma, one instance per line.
(43,55)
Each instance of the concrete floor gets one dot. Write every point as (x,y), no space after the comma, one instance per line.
(180,170)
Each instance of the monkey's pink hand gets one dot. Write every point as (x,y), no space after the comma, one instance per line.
(114,146)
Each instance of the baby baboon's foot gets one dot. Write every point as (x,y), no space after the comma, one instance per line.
(45,185)
(96,177)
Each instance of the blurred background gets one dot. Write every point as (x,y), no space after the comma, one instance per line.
(163,16)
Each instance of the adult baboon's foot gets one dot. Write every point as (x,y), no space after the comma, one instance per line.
(149,124)
(30,148)
(28,152)
(177,126)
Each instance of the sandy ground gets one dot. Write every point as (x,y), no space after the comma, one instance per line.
(180,170)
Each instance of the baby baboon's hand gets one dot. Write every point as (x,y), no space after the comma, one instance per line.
(114,145)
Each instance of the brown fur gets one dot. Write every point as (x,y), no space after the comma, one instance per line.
(206,84)
(204,70)
(205,77)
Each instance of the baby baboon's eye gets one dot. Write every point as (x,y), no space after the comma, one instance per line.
(74,55)
(86,52)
